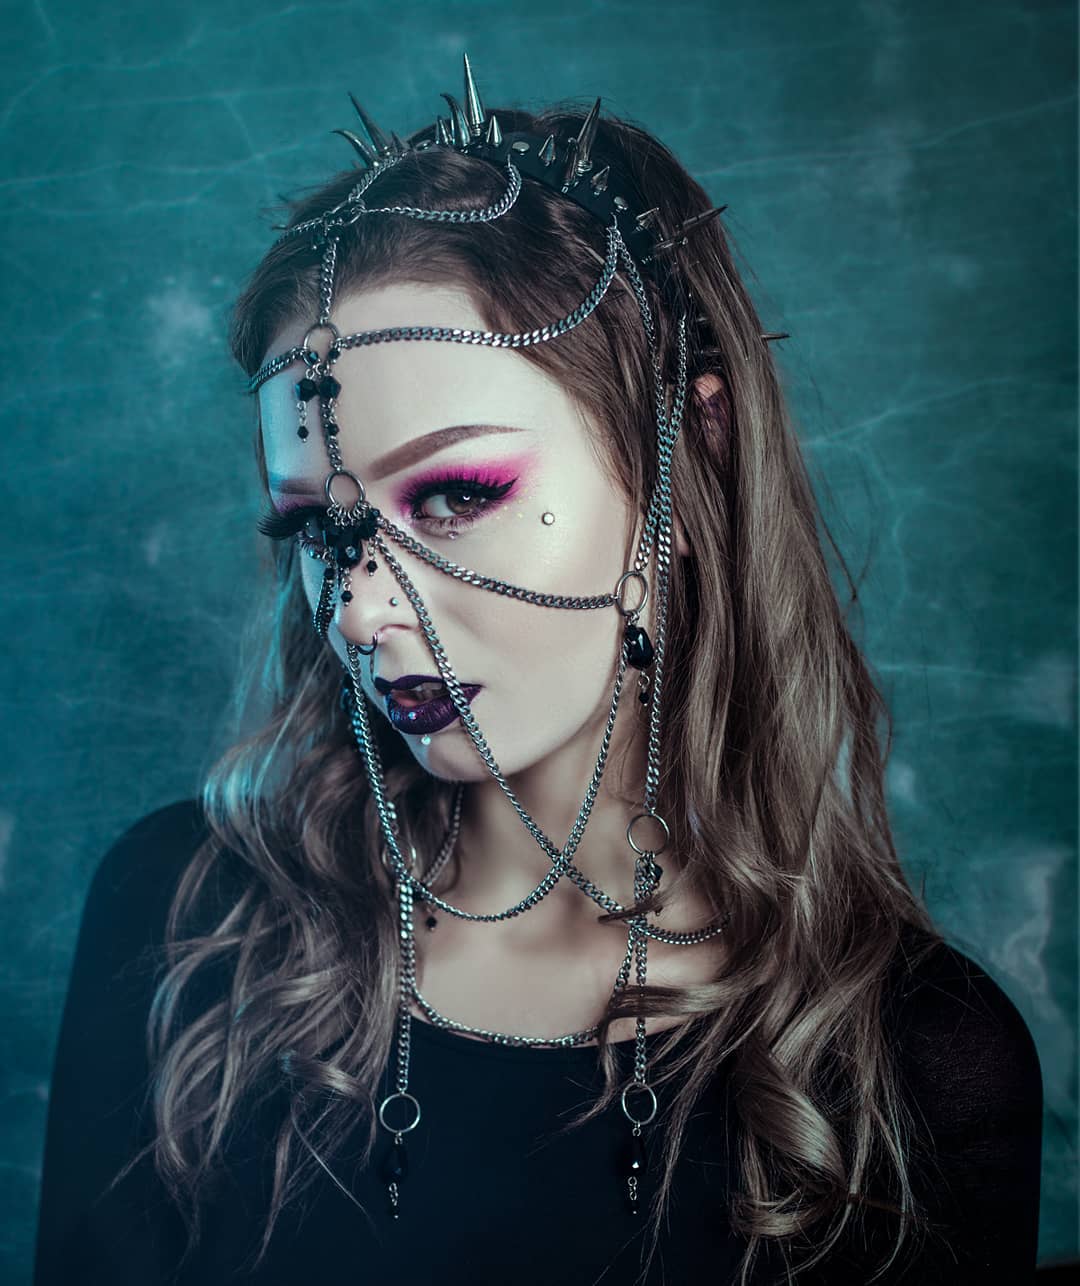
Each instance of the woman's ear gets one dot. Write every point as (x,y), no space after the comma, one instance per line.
(713,403)
(714,406)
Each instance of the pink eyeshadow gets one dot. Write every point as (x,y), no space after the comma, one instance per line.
(497,473)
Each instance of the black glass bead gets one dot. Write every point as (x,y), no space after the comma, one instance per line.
(431,922)
(302,432)
(331,428)
(329,387)
(372,567)
(643,697)
(639,648)
(395,1165)
(310,357)
(346,595)
(333,353)
(306,389)
(636,1159)
(367,526)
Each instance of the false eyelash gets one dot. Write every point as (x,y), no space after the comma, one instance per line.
(280,526)
(486,489)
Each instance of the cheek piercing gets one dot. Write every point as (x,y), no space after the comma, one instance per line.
(547,518)
(393,602)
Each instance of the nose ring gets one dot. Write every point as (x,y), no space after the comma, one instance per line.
(369,650)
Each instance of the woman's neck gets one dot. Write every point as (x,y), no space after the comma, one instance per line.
(500,861)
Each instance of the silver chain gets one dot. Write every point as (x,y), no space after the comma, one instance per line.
(461,335)
(657,531)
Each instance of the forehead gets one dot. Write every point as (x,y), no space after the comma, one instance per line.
(396,391)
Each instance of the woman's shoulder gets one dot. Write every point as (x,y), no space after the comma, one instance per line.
(160,839)
(135,879)
(962,1042)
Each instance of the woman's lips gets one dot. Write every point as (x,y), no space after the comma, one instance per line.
(421,712)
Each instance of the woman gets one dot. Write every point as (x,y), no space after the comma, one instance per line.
(551,929)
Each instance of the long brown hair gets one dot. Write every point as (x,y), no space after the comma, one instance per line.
(772,772)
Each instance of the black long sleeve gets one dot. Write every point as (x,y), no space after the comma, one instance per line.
(486,1169)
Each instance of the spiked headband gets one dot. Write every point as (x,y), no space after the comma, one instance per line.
(566,166)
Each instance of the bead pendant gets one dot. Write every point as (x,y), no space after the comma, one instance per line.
(635,1170)
(395,1168)
(639,648)
(395,1165)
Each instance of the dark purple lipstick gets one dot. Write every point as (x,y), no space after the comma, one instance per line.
(424,712)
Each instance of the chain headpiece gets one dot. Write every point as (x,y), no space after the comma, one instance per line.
(641,242)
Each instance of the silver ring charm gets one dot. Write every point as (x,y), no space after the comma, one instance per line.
(645,1089)
(344,473)
(405,1098)
(642,852)
(326,325)
(617,592)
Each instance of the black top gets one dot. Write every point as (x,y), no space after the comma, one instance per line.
(494,1194)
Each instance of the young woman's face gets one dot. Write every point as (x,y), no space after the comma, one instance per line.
(467,449)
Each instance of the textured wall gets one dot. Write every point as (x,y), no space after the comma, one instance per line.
(901,182)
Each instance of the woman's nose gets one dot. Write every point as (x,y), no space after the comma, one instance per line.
(378,604)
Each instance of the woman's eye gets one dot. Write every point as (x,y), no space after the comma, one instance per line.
(451,504)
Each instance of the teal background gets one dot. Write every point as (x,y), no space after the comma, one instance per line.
(901,182)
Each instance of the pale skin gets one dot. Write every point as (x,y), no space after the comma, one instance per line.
(547,674)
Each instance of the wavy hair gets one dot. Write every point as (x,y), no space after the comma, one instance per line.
(772,767)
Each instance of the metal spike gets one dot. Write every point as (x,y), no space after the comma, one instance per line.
(493,137)
(696,220)
(780,334)
(570,171)
(474,108)
(547,152)
(442,132)
(366,154)
(599,180)
(399,147)
(381,142)
(678,237)
(585,139)
(460,125)
(648,218)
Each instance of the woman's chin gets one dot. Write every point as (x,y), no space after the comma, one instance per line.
(451,755)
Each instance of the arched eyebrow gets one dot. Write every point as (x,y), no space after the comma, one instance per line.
(401,457)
